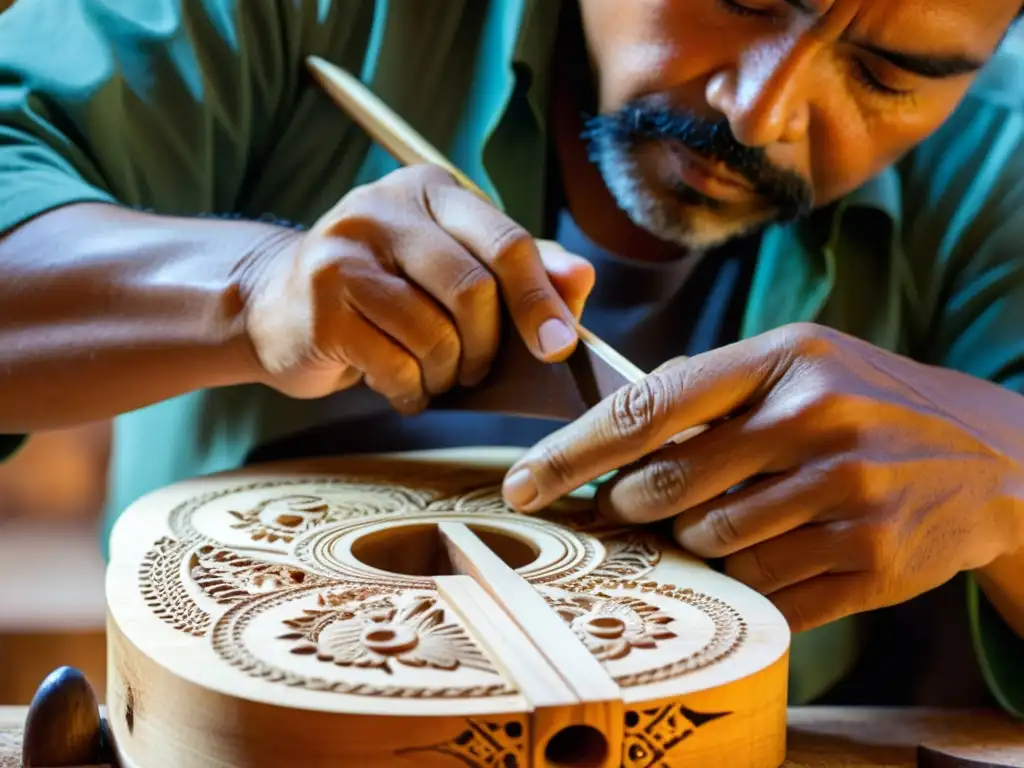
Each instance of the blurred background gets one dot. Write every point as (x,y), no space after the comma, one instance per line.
(51,571)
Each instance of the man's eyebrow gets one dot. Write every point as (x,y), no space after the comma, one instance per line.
(935,66)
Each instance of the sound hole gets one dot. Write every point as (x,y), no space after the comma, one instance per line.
(578,746)
(419,550)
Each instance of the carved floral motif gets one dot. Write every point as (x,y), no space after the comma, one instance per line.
(228,576)
(728,634)
(612,627)
(228,640)
(411,629)
(282,518)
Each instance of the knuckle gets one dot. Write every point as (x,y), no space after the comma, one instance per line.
(764,570)
(445,345)
(722,531)
(352,231)
(873,542)
(404,374)
(510,244)
(811,341)
(662,483)
(818,403)
(858,482)
(474,286)
(531,297)
(637,410)
(557,466)
(425,175)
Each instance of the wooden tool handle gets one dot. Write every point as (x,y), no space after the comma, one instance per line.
(64,728)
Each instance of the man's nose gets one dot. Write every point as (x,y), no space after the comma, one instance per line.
(764,95)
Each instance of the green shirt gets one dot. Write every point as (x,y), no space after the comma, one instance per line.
(194,107)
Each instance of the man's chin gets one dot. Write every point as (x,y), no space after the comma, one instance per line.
(699,227)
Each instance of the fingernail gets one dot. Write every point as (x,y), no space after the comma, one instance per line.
(554,336)
(520,489)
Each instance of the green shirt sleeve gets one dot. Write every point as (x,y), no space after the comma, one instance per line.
(975,188)
(161,105)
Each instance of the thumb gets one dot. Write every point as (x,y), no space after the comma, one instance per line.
(571,275)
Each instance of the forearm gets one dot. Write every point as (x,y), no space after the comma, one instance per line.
(104,310)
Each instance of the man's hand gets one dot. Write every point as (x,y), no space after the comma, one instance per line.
(835,478)
(401,285)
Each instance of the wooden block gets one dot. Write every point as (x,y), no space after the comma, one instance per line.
(590,721)
(392,611)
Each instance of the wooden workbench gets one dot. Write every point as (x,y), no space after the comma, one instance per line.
(819,737)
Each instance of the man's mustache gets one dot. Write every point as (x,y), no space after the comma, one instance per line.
(640,122)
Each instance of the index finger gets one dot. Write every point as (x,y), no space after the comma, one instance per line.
(639,419)
(542,317)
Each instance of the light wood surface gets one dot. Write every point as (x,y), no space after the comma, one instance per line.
(819,737)
(361,609)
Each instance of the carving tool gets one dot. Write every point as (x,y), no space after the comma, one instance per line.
(518,383)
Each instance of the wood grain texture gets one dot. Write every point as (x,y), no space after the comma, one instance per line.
(351,609)
(819,737)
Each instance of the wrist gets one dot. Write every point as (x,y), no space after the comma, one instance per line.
(263,263)
(259,282)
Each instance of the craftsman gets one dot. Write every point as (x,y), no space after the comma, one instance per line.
(816,201)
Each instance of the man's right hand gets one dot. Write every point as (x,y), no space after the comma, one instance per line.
(401,285)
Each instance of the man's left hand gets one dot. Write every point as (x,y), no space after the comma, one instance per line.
(835,477)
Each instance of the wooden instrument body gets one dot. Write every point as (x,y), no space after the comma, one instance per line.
(391,611)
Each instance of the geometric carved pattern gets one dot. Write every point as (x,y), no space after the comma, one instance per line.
(483,745)
(652,734)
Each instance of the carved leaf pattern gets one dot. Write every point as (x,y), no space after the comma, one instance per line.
(611,627)
(164,592)
(412,629)
(282,518)
(628,557)
(227,576)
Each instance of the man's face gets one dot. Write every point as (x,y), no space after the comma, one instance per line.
(718,116)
